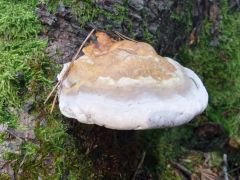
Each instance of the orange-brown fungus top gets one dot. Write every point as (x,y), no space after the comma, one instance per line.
(118,59)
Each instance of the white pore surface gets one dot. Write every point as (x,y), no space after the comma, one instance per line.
(145,112)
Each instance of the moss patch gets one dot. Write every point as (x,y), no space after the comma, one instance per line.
(218,66)
(27,73)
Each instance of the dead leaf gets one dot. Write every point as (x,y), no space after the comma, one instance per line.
(234,143)
(193,39)
(208,174)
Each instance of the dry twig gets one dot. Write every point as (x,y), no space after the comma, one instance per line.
(21,164)
(66,73)
(50,94)
(187,173)
(53,103)
(233,170)
(208,174)
(225,165)
(139,165)
(13,133)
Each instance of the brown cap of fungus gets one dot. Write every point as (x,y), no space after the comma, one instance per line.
(127,85)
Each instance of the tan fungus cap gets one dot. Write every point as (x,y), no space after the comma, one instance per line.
(127,85)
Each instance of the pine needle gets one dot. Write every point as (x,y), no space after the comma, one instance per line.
(124,37)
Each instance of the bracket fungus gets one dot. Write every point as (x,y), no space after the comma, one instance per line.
(127,85)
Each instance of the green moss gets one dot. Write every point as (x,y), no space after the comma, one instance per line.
(218,66)
(148,37)
(27,72)
(166,145)
(86,11)
(20,49)
(13,27)
(5,176)
(54,156)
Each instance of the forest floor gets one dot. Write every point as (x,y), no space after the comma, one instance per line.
(35,144)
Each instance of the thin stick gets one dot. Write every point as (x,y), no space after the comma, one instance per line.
(11,132)
(184,170)
(79,50)
(139,165)
(235,169)
(24,158)
(50,94)
(225,165)
(68,69)
(124,37)
(75,57)
(119,35)
(53,103)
